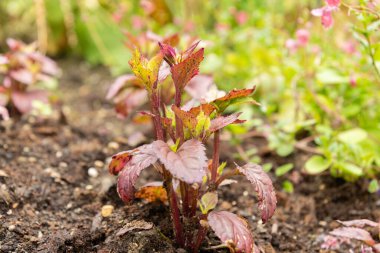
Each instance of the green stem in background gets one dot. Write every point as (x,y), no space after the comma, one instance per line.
(372,55)
(215,157)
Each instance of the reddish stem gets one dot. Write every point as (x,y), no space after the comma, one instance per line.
(178,121)
(155,101)
(215,157)
(226,176)
(178,230)
(202,231)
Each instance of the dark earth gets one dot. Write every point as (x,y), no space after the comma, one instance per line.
(49,202)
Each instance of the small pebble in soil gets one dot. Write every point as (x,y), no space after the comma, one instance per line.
(323,223)
(11,227)
(113,145)
(40,235)
(107,210)
(32,159)
(58,154)
(99,164)
(274,228)
(10,212)
(63,165)
(92,172)
(245,193)
(89,187)
(69,205)
(234,203)
(26,149)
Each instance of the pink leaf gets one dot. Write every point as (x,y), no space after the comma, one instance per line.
(119,83)
(359,223)
(23,76)
(354,233)
(24,100)
(222,121)
(232,230)
(302,37)
(163,72)
(48,66)
(14,44)
(4,113)
(142,158)
(263,187)
(199,86)
(187,164)
(3,60)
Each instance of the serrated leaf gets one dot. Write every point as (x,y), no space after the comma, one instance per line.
(234,97)
(118,84)
(232,230)
(317,164)
(208,202)
(203,123)
(354,233)
(188,119)
(142,157)
(264,188)
(360,223)
(119,161)
(223,121)
(146,70)
(353,136)
(283,169)
(184,71)
(188,164)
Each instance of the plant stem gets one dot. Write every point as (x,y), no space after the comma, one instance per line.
(178,121)
(215,157)
(155,102)
(174,210)
(185,198)
(202,231)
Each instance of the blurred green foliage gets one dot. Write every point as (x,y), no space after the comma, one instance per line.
(328,90)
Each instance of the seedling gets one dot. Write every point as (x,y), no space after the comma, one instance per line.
(190,179)
(22,69)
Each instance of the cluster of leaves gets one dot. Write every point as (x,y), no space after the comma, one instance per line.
(23,70)
(190,179)
(354,229)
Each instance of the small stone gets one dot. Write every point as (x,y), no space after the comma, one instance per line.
(69,205)
(226,205)
(113,145)
(63,165)
(89,187)
(26,149)
(107,210)
(234,203)
(99,164)
(58,154)
(92,172)
(274,228)
(10,212)
(11,227)
(22,159)
(323,223)
(77,210)
(245,193)
(40,235)
(32,159)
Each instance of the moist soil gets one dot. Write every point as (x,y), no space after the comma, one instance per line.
(54,182)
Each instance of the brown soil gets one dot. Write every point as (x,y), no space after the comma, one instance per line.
(49,203)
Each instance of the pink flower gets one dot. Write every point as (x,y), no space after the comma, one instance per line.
(333,3)
(303,36)
(326,12)
(291,45)
(241,17)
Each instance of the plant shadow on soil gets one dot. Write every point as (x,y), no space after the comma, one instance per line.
(49,203)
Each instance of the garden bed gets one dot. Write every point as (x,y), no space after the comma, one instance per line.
(50,203)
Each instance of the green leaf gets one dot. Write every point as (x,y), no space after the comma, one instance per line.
(282,170)
(352,136)
(317,164)
(287,186)
(373,186)
(208,202)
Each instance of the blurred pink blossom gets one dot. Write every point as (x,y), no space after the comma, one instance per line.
(291,45)
(353,81)
(137,22)
(303,36)
(241,17)
(326,12)
(349,47)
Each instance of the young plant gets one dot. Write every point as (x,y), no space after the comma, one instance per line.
(190,179)
(22,69)
(354,229)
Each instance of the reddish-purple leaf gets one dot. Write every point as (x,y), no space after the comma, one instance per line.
(163,72)
(232,230)
(184,71)
(354,233)
(190,50)
(168,53)
(24,100)
(119,161)
(263,187)
(48,66)
(142,158)
(187,164)
(23,76)
(377,247)
(223,121)
(130,100)
(119,83)
(359,223)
